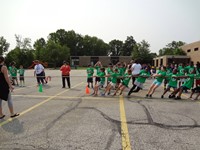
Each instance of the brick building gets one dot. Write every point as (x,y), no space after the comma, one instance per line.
(105,60)
(193,54)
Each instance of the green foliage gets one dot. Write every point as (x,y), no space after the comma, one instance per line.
(3,45)
(172,48)
(141,51)
(116,47)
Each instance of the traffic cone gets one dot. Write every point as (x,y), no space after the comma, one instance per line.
(40,88)
(87,90)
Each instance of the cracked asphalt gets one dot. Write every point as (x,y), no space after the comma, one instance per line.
(68,119)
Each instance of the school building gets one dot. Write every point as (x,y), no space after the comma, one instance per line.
(105,60)
(193,54)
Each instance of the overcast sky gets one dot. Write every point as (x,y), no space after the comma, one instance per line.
(157,21)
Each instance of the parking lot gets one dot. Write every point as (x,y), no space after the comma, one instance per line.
(70,119)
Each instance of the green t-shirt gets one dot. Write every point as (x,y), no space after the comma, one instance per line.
(189,69)
(126,79)
(102,77)
(13,72)
(163,74)
(9,70)
(98,70)
(189,81)
(173,81)
(181,71)
(109,71)
(114,77)
(90,72)
(121,71)
(142,73)
(21,72)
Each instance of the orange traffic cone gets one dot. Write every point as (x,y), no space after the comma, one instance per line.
(87,90)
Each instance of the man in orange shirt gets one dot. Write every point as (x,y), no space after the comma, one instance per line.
(65,69)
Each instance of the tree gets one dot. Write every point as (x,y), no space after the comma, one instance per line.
(116,47)
(173,48)
(3,45)
(39,46)
(141,51)
(128,46)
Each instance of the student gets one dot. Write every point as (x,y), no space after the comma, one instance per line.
(21,75)
(141,78)
(109,72)
(168,72)
(173,79)
(124,84)
(181,72)
(5,89)
(101,83)
(160,76)
(14,74)
(90,72)
(112,84)
(136,67)
(187,85)
(97,66)
(65,71)
(39,72)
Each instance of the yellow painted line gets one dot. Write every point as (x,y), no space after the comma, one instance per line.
(124,128)
(37,105)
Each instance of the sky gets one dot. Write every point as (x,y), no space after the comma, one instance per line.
(159,22)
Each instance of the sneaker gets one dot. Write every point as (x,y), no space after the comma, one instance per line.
(162,96)
(171,96)
(177,98)
(150,96)
(147,95)
(108,93)
(103,94)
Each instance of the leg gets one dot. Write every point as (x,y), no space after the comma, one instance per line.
(68,81)
(137,89)
(154,88)
(131,90)
(63,82)
(1,111)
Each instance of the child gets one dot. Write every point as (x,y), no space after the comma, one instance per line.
(21,76)
(14,75)
(97,66)
(109,71)
(140,81)
(157,82)
(101,83)
(90,72)
(124,84)
(172,82)
(187,85)
(113,81)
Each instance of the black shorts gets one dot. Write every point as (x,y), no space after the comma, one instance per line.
(184,88)
(196,89)
(21,78)
(90,80)
(97,79)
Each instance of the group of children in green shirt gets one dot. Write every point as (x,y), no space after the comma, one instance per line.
(179,78)
(13,71)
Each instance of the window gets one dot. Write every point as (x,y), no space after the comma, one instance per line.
(189,50)
(196,49)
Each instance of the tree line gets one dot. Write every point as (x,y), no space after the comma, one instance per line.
(60,45)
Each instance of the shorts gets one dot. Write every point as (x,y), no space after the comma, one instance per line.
(21,78)
(97,79)
(156,82)
(139,84)
(14,78)
(90,80)
(196,89)
(169,87)
(101,84)
(184,88)
(197,82)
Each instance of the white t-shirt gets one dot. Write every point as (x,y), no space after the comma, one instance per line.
(136,68)
(38,68)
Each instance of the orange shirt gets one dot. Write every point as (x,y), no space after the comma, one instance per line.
(65,69)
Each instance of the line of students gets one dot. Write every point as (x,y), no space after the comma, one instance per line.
(179,78)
